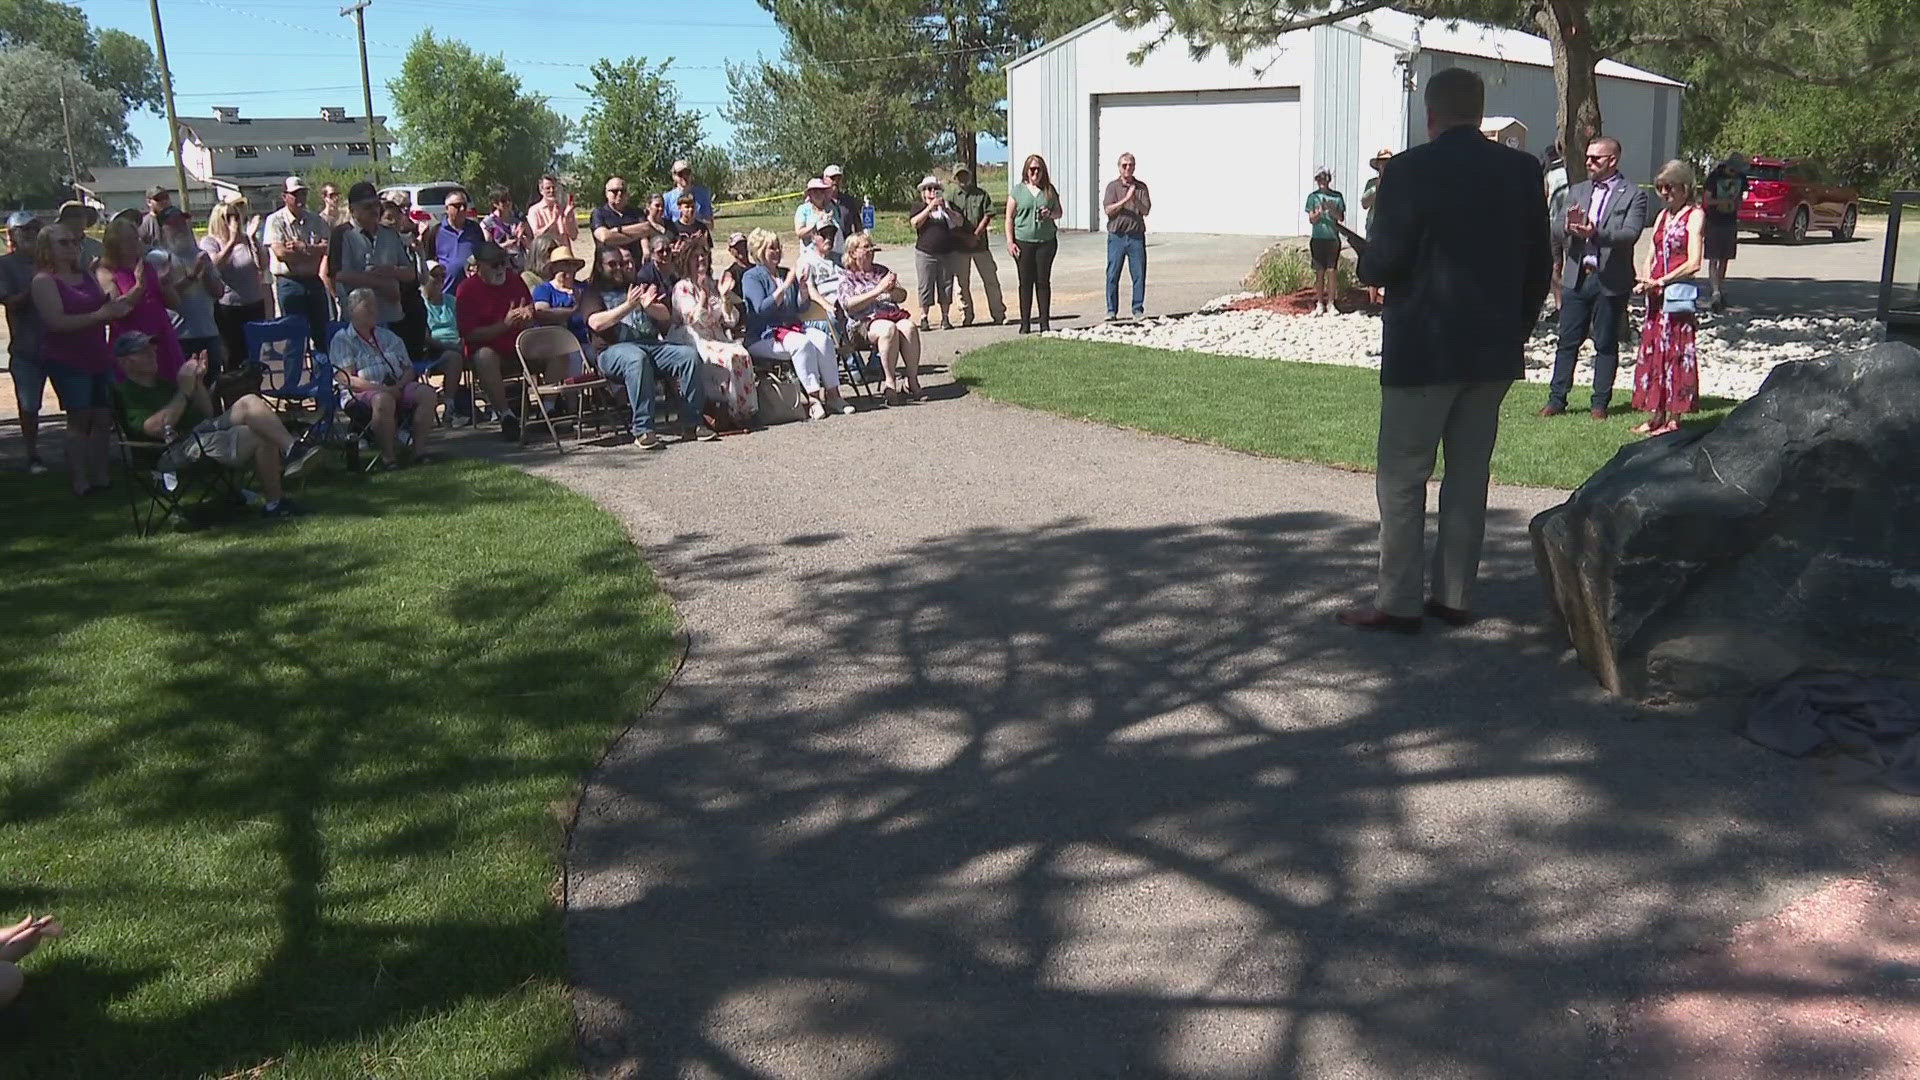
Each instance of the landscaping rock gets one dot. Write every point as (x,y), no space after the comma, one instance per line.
(1784,539)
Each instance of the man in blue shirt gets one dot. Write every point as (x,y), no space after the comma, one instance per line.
(455,238)
(702,198)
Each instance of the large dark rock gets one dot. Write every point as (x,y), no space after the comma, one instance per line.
(1786,538)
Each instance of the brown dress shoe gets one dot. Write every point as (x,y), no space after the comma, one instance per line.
(1369,618)
(1452,616)
(1599,412)
(1552,410)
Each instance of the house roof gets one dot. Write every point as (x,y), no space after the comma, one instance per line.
(138,178)
(1459,38)
(214,134)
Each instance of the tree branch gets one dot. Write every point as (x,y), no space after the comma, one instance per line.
(1695,40)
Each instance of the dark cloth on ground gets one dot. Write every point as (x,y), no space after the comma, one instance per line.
(1873,722)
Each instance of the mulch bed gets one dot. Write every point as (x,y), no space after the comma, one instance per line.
(1301,302)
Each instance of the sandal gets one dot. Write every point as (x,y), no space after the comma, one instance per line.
(1644,429)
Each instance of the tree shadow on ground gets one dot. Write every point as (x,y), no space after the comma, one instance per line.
(292,786)
(1086,801)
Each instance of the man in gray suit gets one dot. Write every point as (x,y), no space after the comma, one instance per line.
(1602,221)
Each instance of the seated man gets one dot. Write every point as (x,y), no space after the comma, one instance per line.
(627,312)
(493,308)
(250,431)
(379,374)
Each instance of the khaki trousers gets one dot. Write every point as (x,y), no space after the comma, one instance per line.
(963,264)
(1415,421)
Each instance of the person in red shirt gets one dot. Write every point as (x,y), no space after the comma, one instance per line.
(494,307)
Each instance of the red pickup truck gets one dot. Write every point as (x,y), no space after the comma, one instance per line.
(1791,198)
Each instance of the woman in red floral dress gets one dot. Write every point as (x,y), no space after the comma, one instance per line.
(1666,381)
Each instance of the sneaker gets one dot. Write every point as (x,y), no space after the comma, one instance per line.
(509,427)
(36,467)
(280,510)
(945,325)
(297,457)
(816,411)
(846,407)
(926,327)
(1113,316)
(703,433)
(648,440)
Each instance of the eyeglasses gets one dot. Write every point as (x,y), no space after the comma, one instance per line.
(616,191)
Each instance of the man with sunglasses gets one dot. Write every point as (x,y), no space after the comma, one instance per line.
(1602,221)
(453,240)
(615,222)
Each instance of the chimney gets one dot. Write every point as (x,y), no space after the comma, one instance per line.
(333,114)
(226,114)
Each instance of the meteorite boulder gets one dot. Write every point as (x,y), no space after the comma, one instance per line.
(1787,538)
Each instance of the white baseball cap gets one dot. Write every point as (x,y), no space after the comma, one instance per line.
(930,181)
(833,170)
(294,184)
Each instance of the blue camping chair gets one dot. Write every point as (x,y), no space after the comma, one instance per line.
(290,380)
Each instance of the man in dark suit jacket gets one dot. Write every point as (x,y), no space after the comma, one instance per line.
(1460,245)
(1598,276)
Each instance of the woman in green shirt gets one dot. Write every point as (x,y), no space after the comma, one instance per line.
(1032,207)
(1325,206)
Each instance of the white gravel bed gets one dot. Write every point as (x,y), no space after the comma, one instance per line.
(1736,351)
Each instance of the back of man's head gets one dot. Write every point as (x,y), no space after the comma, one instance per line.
(1455,97)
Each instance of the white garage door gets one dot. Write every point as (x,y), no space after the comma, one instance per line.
(1217,161)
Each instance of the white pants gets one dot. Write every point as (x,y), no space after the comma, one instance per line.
(812,355)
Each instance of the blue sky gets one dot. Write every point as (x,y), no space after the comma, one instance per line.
(290,57)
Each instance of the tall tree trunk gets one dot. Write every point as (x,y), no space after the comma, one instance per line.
(1567,27)
(966,143)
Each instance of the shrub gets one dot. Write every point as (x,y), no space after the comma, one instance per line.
(1286,268)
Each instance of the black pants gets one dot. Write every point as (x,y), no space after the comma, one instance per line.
(232,319)
(1034,263)
(1586,309)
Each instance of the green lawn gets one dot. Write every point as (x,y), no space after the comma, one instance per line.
(1276,408)
(298,790)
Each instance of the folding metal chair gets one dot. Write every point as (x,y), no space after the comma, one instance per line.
(538,346)
(858,367)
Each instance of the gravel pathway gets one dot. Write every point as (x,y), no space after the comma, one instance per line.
(1736,351)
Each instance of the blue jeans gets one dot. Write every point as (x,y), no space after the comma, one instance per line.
(307,298)
(637,364)
(1585,309)
(1131,247)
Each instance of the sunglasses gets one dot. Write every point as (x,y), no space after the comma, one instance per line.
(616,191)
(456,206)
(1601,157)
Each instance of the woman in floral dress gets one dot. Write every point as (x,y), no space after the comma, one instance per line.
(1666,381)
(704,320)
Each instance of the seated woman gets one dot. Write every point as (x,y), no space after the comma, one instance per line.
(876,320)
(443,341)
(562,289)
(775,327)
(181,413)
(703,319)
(378,372)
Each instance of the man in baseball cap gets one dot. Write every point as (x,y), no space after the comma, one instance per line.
(683,184)
(159,197)
(184,413)
(818,210)
(846,208)
(298,239)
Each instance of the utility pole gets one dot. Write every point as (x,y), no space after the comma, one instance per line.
(173,121)
(359,13)
(66,125)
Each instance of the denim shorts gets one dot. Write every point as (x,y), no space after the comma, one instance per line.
(29,382)
(79,391)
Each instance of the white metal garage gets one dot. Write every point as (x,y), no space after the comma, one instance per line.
(1229,148)
(1261,125)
